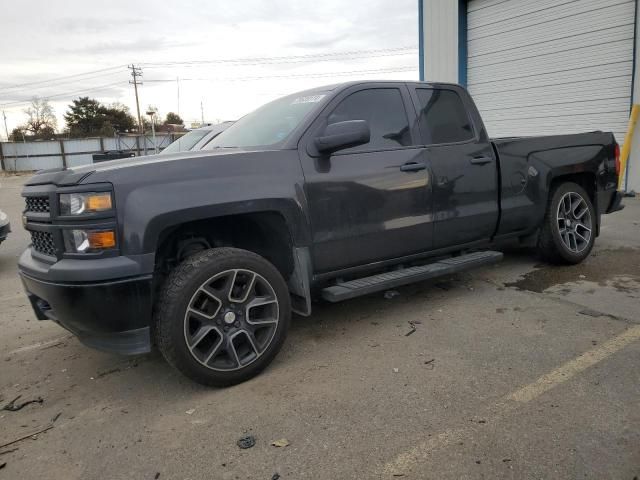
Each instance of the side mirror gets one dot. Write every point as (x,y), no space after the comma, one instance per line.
(343,135)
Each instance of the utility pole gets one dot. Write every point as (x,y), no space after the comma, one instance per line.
(178,86)
(202,113)
(6,130)
(135,73)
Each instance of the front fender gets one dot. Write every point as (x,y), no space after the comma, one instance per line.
(146,239)
(157,194)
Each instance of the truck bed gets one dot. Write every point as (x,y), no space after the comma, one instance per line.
(526,166)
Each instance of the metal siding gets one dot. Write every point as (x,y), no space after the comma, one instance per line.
(111,144)
(632,177)
(551,66)
(47,154)
(440,32)
(82,145)
(32,163)
(79,160)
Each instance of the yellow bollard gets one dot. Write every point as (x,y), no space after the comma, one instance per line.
(626,146)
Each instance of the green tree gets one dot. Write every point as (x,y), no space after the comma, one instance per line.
(17,134)
(119,118)
(84,117)
(88,117)
(174,119)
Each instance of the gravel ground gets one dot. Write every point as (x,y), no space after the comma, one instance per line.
(517,371)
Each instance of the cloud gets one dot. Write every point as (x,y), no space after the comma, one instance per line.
(315,43)
(139,45)
(46,40)
(90,25)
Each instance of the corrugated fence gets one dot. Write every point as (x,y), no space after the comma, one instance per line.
(26,156)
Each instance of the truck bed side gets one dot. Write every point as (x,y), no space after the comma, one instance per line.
(530,166)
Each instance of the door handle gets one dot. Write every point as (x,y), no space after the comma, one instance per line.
(481,160)
(413,167)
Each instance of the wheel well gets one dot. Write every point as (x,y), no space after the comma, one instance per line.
(586,180)
(264,233)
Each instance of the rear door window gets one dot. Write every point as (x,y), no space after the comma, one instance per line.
(384,111)
(443,117)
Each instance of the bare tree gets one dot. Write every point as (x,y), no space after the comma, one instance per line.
(41,120)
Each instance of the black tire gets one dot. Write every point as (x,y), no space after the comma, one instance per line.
(556,248)
(180,291)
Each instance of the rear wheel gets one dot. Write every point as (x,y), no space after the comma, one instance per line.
(222,316)
(569,227)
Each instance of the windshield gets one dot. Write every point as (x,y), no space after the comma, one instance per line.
(269,124)
(186,142)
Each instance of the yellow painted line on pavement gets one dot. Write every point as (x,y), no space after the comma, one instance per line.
(405,462)
(575,366)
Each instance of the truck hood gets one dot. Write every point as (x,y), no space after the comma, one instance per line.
(89,173)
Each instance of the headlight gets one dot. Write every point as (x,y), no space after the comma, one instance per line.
(88,241)
(86,202)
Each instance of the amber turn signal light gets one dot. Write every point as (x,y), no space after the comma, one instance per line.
(102,239)
(99,201)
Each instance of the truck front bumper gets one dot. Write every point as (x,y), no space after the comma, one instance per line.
(111,315)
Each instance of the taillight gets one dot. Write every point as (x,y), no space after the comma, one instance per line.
(617,156)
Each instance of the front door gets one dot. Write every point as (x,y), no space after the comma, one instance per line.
(370,202)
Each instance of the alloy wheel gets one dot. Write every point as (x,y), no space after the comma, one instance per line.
(231,320)
(574,222)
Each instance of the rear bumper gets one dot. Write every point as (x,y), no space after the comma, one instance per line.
(111,315)
(616,202)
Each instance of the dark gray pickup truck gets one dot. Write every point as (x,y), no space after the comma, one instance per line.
(326,194)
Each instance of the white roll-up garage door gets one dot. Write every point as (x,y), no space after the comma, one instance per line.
(551,66)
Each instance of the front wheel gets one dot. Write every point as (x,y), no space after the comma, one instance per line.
(569,228)
(222,316)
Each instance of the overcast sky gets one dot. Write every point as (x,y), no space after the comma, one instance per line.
(44,40)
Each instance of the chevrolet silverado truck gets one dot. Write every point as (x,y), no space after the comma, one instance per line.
(330,193)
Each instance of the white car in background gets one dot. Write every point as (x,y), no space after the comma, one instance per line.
(196,139)
(5,227)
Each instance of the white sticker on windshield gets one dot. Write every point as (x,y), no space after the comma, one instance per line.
(308,99)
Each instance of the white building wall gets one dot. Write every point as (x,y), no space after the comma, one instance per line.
(440,49)
(551,66)
(633,172)
(440,33)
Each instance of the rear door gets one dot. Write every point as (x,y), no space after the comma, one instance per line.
(464,168)
(364,203)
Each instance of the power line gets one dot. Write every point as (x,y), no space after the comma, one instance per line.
(406,68)
(75,75)
(248,61)
(65,94)
(219,79)
(347,55)
(64,84)
(284,62)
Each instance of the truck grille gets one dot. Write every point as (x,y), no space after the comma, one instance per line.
(37,204)
(43,243)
